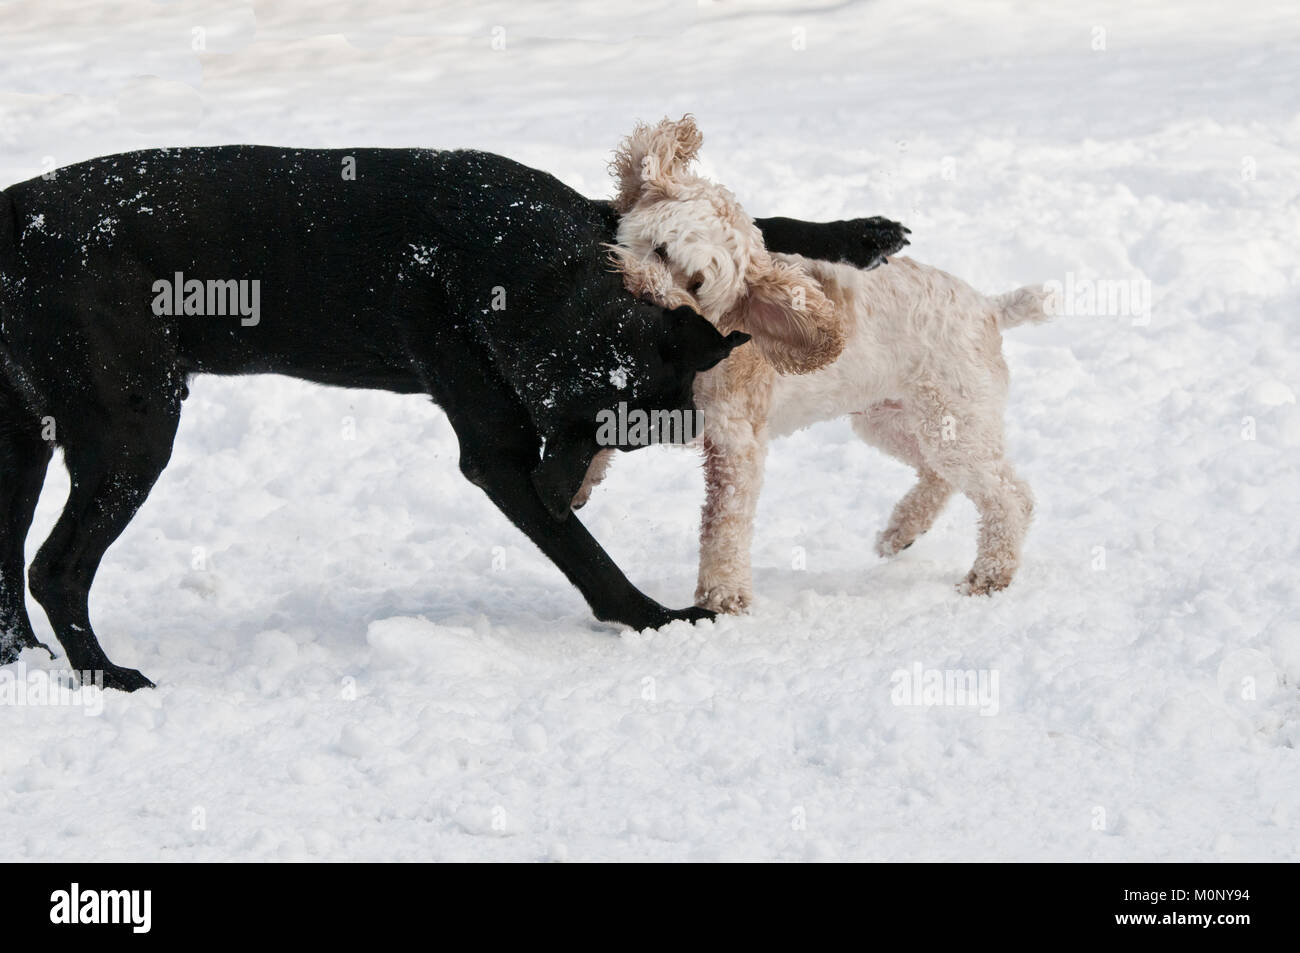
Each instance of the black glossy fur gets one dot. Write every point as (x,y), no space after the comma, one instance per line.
(390,280)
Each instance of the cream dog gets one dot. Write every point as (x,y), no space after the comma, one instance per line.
(919,364)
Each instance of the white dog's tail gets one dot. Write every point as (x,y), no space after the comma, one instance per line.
(1022,306)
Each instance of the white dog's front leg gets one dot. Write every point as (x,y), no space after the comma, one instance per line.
(733,473)
(595,473)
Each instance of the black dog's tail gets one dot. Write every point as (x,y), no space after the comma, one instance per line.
(8,257)
(18,398)
(8,232)
(8,247)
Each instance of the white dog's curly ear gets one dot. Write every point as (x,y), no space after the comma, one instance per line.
(654,157)
(647,277)
(792,321)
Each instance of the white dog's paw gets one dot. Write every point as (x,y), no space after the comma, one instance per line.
(984,581)
(893,541)
(732,600)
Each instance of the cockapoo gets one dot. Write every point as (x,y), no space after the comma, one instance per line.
(915,359)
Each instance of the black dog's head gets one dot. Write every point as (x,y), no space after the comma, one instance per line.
(685,344)
(638,391)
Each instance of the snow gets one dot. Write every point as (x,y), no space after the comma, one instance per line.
(359,658)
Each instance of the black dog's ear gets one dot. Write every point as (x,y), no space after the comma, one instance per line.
(726,346)
(559,474)
(695,343)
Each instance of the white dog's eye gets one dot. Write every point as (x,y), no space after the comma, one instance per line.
(696,283)
(662,252)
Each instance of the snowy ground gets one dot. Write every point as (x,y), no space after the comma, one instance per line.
(359,658)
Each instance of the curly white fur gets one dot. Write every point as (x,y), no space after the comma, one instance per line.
(921,371)
(685,240)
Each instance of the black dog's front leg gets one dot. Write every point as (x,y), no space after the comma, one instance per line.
(863,242)
(499,453)
(566,542)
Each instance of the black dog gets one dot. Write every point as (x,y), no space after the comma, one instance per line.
(461,275)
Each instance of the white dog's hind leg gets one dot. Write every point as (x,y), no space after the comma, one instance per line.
(887,425)
(733,478)
(1006,505)
(966,451)
(915,512)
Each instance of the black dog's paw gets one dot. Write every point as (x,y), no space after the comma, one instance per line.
(12,647)
(870,241)
(693,614)
(660,617)
(123,679)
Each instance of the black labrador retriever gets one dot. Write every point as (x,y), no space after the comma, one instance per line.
(458,274)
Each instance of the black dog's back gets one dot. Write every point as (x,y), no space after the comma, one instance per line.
(459,274)
(340,241)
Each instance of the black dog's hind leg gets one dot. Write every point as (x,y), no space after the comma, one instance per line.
(24,458)
(112,472)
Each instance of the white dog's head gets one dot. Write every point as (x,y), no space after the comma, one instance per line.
(683,240)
